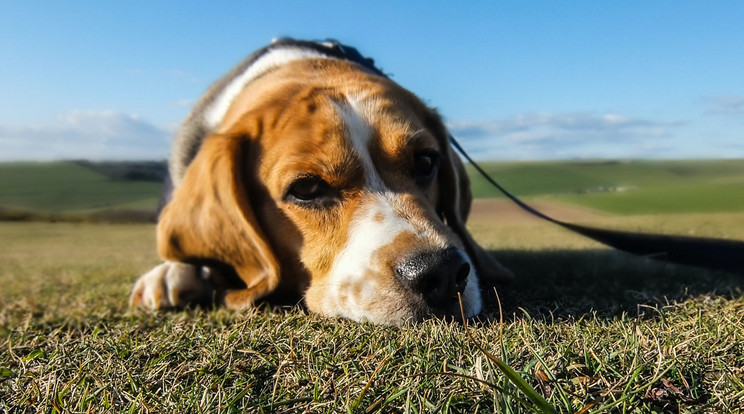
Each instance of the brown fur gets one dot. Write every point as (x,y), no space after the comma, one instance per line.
(229,207)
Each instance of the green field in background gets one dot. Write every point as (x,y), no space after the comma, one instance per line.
(632,187)
(68,187)
(620,187)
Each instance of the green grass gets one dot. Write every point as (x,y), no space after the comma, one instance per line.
(69,188)
(633,187)
(587,327)
(583,325)
(693,197)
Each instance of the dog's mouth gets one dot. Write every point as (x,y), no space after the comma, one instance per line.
(455,310)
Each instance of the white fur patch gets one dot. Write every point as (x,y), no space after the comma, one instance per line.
(357,117)
(273,59)
(170,284)
(367,234)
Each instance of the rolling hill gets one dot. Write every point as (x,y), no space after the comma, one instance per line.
(69,189)
(131,190)
(623,187)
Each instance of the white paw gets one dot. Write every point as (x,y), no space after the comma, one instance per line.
(169,285)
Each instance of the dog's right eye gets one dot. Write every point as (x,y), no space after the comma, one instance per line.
(425,165)
(311,191)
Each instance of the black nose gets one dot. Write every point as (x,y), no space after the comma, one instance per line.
(437,275)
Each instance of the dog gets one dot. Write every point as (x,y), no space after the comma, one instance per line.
(307,174)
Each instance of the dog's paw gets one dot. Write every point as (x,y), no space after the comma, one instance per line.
(170,285)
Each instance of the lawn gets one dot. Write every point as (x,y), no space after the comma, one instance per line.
(624,187)
(78,190)
(587,327)
(72,189)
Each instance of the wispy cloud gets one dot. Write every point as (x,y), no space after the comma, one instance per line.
(184,76)
(726,105)
(183,103)
(86,134)
(548,135)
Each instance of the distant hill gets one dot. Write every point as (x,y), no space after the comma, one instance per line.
(81,190)
(130,191)
(129,170)
(623,187)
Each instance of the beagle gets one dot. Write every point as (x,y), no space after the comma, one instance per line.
(305,173)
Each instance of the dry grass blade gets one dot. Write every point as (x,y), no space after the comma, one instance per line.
(358,401)
(539,402)
(478,380)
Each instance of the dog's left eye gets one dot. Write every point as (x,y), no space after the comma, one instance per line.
(311,191)
(425,165)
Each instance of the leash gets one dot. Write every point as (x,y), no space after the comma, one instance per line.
(709,253)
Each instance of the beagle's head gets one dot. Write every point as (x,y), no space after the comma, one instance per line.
(327,181)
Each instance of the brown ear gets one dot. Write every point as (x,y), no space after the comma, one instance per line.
(456,199)
(210,219)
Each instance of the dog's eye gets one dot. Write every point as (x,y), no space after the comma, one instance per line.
(310,191)
(425,165)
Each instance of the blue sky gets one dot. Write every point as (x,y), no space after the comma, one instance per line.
(514,80)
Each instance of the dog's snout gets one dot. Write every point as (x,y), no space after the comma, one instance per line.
(438,276)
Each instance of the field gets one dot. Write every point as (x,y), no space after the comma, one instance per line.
(589,328)
(629,187)
(65,190)
(76,190)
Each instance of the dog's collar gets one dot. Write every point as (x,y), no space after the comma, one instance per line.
(346,52)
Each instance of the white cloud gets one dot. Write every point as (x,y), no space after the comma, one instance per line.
(579,122)
(183,103)
(726,105)
(101,135)
(563,135)
(86,134)
(184,76)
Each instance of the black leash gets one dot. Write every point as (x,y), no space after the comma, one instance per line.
(718,254)
(709,253)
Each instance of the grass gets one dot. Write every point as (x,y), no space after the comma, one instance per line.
(633,187)
(71,188)
(119,191)
(588,327)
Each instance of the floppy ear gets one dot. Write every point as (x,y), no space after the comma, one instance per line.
(455,201)
(210,219)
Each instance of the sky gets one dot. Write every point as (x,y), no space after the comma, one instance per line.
(514,80)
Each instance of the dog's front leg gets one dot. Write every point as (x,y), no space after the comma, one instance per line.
(173,285)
